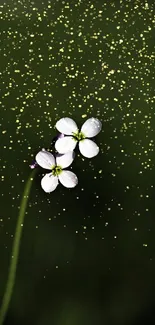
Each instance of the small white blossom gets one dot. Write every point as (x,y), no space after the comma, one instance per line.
(51,180)
(68,127)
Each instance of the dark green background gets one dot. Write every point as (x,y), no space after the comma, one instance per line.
(87,254)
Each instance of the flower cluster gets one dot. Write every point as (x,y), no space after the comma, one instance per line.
(65,144)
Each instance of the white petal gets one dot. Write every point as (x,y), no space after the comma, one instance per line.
(65,160)
(65,144)
(66,126)
(88,148)
(68,179)
(45,159)
(91,127)
(49,183)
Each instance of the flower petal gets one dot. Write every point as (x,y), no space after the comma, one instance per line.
(68,179)
(66,125)
(49,183)
(91,127)
(88,148)
(65,144)
(45,159)
(65,160)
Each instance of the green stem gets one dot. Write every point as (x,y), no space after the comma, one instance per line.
(15,249)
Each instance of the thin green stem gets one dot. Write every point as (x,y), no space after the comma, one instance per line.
(15,249)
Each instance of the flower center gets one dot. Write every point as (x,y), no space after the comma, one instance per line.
(79,136)
(56,170)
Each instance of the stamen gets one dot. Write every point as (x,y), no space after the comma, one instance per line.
(56,170)
(79,136)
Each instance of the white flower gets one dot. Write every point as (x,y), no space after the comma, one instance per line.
(50,181)
(87,147)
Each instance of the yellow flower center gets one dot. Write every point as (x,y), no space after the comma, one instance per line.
(56,170)
(79,136)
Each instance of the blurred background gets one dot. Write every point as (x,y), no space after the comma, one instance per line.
(87,254)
